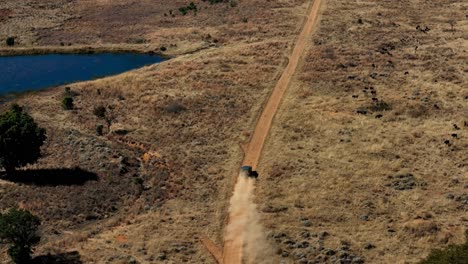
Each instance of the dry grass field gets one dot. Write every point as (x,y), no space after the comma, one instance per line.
(370,144)
(366,159)
(162,173)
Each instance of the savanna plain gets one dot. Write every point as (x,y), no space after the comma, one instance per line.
(365,161)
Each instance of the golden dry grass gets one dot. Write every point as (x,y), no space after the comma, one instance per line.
(325,167)
(222,89)
(338,170)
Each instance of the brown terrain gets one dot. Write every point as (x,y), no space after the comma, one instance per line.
(366,160)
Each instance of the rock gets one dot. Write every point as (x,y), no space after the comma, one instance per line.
(450,196)
(357,260)
(307,223)
(369,246)
(132,260)
(284,254)
(162,256)
(305,234)
(279,235)
(364,217)
(329,252)
(323,234)
(343,254)
(303,261)
(303,244)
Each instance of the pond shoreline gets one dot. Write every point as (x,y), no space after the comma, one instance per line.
(79,49)
(25,74)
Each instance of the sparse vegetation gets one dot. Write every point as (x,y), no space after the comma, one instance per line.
(20,139)
(18,228)
(100,111)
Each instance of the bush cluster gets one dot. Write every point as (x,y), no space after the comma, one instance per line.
(190,7)
(453,254)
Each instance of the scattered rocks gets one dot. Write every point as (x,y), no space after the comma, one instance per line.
(405,181)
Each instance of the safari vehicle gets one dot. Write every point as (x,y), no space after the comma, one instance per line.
(249,172)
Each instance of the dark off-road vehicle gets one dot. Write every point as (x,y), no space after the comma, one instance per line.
(249,172)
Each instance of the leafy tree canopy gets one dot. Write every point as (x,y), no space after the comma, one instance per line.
(18,228)
(20,139)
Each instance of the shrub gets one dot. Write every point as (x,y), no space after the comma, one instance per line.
(138,181)
(175,108)
(453,254)
(99,130)
(10,41)
(67,103)
(183,10)
(100,111)
(20,139)
(190,7)
(380,106)
(18,228)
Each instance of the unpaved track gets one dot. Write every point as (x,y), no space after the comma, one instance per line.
(234,245)
(262,128)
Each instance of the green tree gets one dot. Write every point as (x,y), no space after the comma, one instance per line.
(20,139)
(10,41)
(18,228)
(67,103)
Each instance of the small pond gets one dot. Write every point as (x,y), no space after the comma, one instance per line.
(24,73)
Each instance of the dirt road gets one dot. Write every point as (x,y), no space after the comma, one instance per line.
(262,128)
(235,238)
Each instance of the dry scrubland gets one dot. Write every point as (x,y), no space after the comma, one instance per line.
(187,115)
(382,179)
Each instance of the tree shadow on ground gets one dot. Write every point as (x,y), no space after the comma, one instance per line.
(52,177)
(63,258)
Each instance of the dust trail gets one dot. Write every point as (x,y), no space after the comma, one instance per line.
(245,238)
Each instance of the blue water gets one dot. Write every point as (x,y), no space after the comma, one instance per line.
(23,73)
